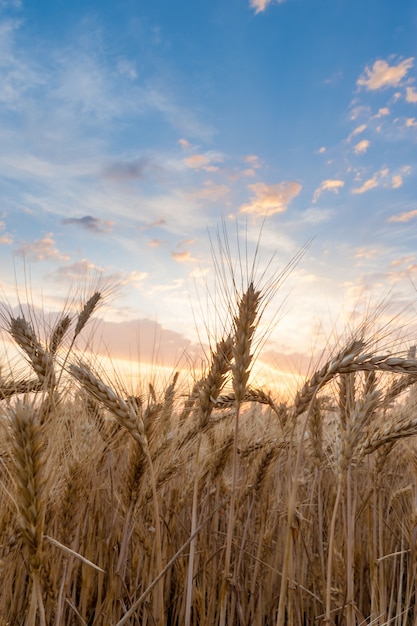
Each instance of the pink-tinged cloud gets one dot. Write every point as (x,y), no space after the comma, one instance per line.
(203,161)
(183,257)
(383,111)
(41,250)
(260,5)
(359,129)
(383,75)
(253,161)
(373,182)
(185,145)
(411,95)
(410,122)
(6,239)
(328,185)
(155,243)
(210,192)
(396,181)
(403,217)
(271,199)
(367,185)
(362,146)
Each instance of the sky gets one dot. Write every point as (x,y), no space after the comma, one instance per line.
(134,136)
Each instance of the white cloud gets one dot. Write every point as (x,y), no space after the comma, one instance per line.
(328,185)
(383,75)
(271,199)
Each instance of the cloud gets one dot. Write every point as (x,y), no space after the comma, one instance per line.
(5,238)
(328,185)
(396,181)
(155,243)
(362,146)
(253,161)
(411,95)
(373,182)
(203,161)
(122,171)
(156,223)
(383,111)
(383,75)
(316,216)
(75,271)
(142,339)
(271,199)
(321,150)
(260,5)
(92,224)
(210,192)
(41,250)
(359,129)
(403,217)
(185,145)
(410,122)
(183,257)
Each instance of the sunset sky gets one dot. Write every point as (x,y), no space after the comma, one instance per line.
(132,132)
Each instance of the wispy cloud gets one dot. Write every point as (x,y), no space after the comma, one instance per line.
(362,146)
(383,75)
(90,223)
(403,217)
(5,237)
(183,257)
(123,171)
(41,250)
(253,160)
(204,161)
(260,5)
(328,185)
(372,182)
(270,199)
(359,129)
(210,192)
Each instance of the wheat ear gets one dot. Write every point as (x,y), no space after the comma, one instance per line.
(131,419)
(29,459)
(244,329)
(41,360)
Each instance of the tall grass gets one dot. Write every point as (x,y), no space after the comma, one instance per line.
(221,506)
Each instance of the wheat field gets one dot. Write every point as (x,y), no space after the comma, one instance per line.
(214,505)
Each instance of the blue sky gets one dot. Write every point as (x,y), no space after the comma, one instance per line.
(129,130)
